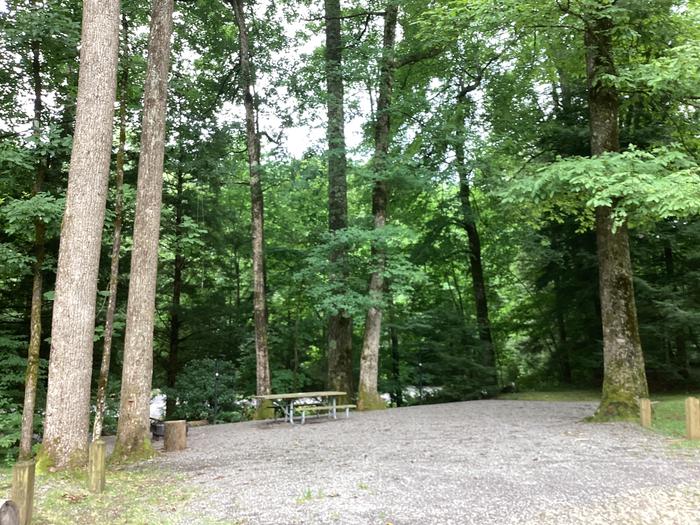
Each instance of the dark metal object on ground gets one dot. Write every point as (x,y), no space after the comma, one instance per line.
(157,429)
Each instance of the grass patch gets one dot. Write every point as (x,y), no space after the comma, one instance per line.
(668,417)
(308,496)
(555,395)
(131,497)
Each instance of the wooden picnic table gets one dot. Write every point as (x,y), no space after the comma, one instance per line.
(287,403)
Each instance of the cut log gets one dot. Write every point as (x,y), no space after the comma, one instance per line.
(175,435)
(97,466)
(23,490)
(692,417)
(645,412)
(9,515)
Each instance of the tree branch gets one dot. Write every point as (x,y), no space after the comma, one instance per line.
(418,56)
(345,17)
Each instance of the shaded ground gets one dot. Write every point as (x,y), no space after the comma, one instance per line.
(483,462)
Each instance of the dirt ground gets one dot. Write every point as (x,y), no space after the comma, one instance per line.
(479,462)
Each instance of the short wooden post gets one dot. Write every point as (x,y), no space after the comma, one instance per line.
(97,466)
(175,435)
(692,417)
(9,515)
(23,490)
(645,412)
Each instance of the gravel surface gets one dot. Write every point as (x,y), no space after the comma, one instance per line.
(479,462)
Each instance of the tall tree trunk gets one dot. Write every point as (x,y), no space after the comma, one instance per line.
(368,395)
(116,241)
(624,376)
(340,323)
(73,325)
(175,320)
(134,412)
(488,356)
(257,205)
(25,443)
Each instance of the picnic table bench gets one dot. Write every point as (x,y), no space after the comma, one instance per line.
(290,403)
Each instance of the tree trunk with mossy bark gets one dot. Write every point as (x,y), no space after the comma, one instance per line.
(368,394)
(25,442)
(101,397)
(257,210)
(133,430)
(340,323)
(624,380)
(73,325)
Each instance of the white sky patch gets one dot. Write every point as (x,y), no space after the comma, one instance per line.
(298,139)
(308,131)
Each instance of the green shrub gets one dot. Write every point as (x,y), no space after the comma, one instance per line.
(13,367)
(200,393)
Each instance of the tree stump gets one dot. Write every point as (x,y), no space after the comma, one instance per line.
(692,418)
(97,467)
(23,490)
(645,412)
(175,435)
(9,515)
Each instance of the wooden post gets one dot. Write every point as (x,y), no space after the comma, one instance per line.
(23,490)
(97,466)
(645,412)
(692,417)
(175,435)
(9,515)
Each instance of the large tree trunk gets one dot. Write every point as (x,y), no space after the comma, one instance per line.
(368,395)
(73,324)
(340,323)
(101,396)
(488,356)
(624,377)
(133,428)
(175,320)
(25,443)
(257,205)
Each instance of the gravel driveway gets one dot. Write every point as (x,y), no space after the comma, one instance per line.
(479,462)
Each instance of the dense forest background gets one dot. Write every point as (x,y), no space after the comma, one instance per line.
(488,157)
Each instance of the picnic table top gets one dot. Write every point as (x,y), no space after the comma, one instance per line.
(301,395)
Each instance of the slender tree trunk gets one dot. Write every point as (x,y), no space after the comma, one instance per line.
(295,349)
(340,323)
(134,412)
(116,241)
(368,395)
(237,273)
(563,353)
(257,205)
(25,443)
(682,356)
(624,376)
(397,394)
(73,325)
(488,356)
(175,320)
